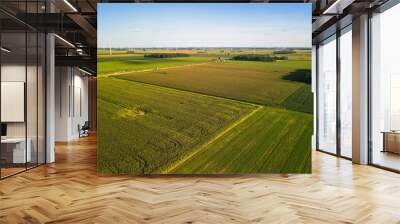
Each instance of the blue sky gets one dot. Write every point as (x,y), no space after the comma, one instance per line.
(204,25)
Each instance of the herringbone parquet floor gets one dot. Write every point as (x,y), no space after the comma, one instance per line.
(70,191)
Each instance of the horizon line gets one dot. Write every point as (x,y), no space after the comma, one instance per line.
(197,47)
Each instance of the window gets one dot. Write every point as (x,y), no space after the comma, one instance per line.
(385,89)
(22,88)
(327,95)
(346,92)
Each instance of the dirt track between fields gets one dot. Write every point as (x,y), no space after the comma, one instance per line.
(153,69)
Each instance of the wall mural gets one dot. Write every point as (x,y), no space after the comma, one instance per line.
(204,88)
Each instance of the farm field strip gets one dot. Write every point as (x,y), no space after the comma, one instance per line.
(156,125)
(125,63)
(257,84)
(301,100)
(217,137)
(276,146)
(152,69)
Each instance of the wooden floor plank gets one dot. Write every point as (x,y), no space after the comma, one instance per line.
(70,191)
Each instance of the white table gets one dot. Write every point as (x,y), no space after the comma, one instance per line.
(19,153)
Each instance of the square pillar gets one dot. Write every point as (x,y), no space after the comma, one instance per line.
(360,89)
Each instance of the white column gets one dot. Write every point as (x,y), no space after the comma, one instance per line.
(50,98)
(360,90)
(63,99)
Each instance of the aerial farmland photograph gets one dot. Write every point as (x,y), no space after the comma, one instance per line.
(204,88)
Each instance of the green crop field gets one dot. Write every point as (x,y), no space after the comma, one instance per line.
(144,127)
(199,114)
(255,82)
(133,62)
(267,142)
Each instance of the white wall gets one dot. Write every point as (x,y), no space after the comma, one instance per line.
(82,82)
(9,73)
(71,87)
(62,82)
(33,126)
(13,100)
(14,72)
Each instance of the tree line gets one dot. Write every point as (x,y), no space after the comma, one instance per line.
(166,55)
(284,52)
(258,57)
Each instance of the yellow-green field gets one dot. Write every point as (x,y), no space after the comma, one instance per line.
(143,127)
(124,61)
(198,115)
(255,82)
(136,62)
(266,142)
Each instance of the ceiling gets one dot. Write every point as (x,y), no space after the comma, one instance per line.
(331,15)
(75,22)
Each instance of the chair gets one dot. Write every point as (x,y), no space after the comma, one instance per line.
(84,130)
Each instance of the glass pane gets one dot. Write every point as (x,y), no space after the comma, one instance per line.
(385,89)
(13,86)
(327,96)
(31,88)
(41,98)
(22,89)
(346,93)
(31,98)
